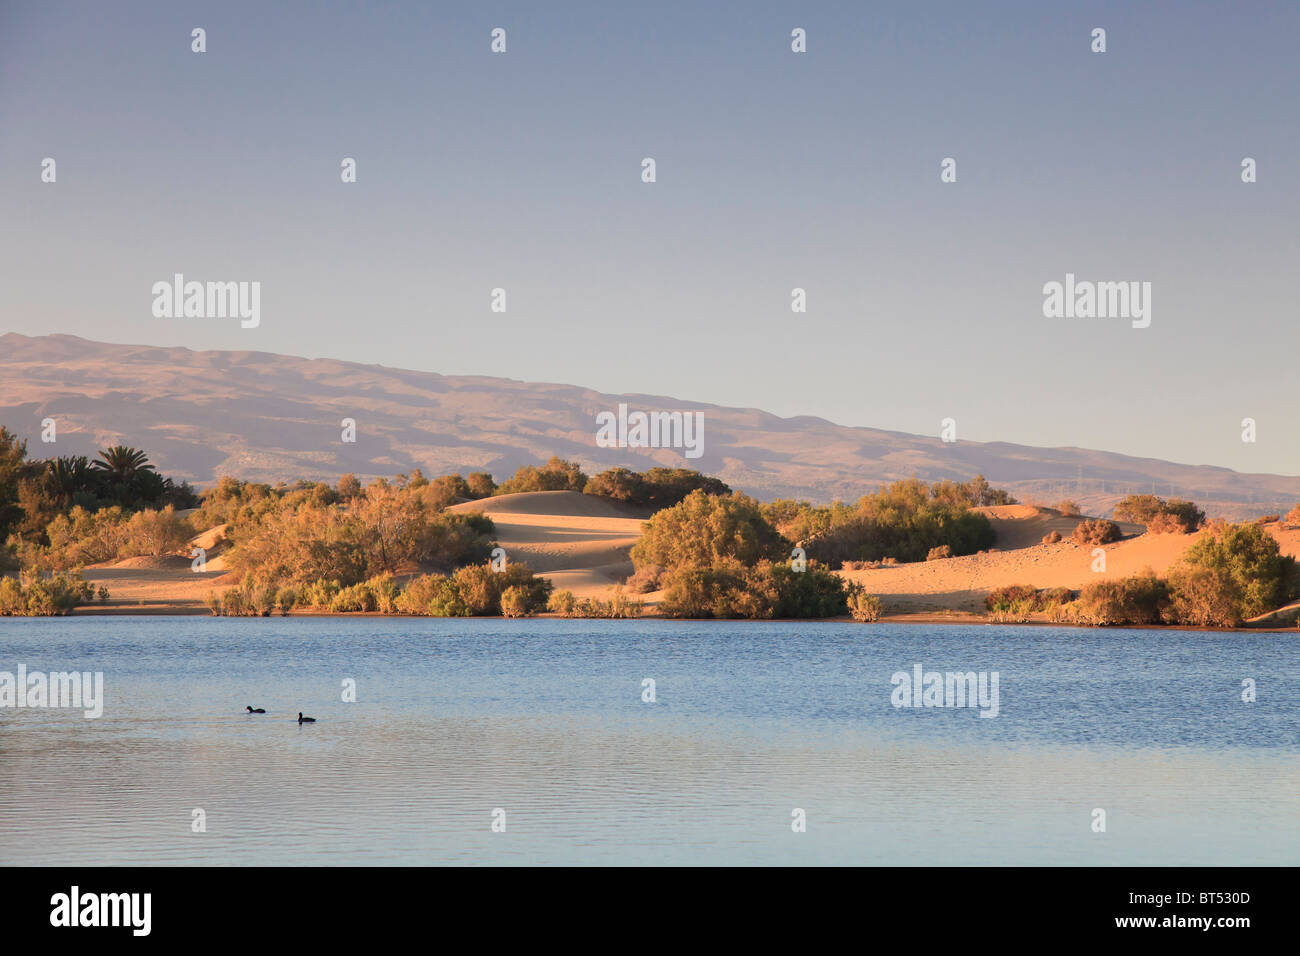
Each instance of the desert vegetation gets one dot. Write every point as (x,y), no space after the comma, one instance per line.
(1095,531)
(556,475)
(718,556)
(1234,572)
(656,488)
(1160,515)
(618,605)
(401,545)
(907,521)
(33,594)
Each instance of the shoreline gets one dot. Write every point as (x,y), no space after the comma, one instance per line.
(958,618)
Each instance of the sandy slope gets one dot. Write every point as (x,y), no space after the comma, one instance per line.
(959,584)
(163,585)
(578,541)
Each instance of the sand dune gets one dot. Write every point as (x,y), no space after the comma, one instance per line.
(153,586)
(1023,526)
(580,542)
(959,584)
(554,503)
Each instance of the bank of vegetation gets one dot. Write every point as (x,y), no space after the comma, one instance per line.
(397,546)
(1233,573)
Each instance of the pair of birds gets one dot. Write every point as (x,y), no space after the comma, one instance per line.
(301,719)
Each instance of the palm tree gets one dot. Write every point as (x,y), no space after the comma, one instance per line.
(122,463)
(124,470)
(65,478)
(151,486)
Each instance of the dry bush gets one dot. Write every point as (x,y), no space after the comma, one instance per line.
(645,579)
(618,606)
(865,607)
(1140,599)
(1165,524)
(1012,596)
(1095,531)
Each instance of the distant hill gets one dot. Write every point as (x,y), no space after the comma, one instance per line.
(271,417)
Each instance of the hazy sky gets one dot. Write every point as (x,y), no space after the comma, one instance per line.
(775,170)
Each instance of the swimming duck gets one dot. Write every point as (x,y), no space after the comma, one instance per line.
(305,720)
(256,710)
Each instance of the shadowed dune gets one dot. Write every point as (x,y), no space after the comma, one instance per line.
(580,542)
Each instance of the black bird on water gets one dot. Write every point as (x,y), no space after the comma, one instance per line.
(256,710)
(305,720)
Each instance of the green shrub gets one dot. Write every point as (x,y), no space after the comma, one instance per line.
(1014,603)
(285,600)
(432,595)
(556,475)
(33,594)
(766,590)
(318,594)
(1012,596)
(355,598)
(1138,509)
(1053,597)
(1140,599)
(1232,573)
(619,605)
(692,591)
(235,602)
(1159,515)
(657,488)
(863,606)
(903,521)
(815,592)
(562,603)
(618,484)
(703,531)
(1019,614)
(474,590)
(379,594)
(13,602)
(515,602)
(480,485)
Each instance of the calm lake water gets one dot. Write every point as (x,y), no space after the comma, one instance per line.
(545,720)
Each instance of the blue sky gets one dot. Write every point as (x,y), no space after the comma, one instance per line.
(775,170)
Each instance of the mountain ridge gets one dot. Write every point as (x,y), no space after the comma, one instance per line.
(269,417)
